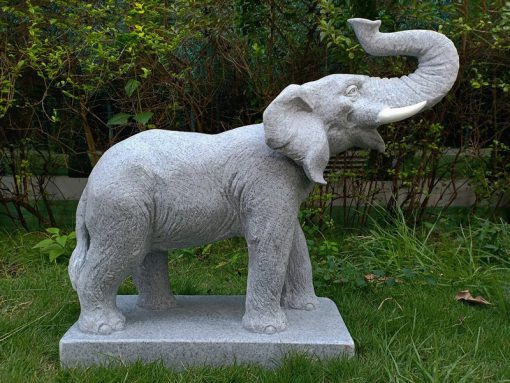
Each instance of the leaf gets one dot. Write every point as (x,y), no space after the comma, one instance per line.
(146,72)
(221,264)
(408,273)
(143,117)
(44,243)
(119,119)
(62,240)
(375,278)
(51,247)
(53,230)
(370,277)
(131,86)
(465,296)
(207,249)
(66,93)
(72,235)
(55,253)
(379,273)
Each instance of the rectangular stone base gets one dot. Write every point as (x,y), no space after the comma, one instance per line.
(206,330)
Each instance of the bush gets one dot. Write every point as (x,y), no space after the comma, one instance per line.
(76,77)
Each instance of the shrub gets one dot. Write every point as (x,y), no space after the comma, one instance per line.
(76,77)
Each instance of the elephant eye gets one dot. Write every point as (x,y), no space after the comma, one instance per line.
(352,90)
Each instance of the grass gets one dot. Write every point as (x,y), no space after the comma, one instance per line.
(406,324)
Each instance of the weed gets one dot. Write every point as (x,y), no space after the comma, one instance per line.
(57,244)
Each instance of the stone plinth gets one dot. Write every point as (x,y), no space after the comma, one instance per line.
(206,330)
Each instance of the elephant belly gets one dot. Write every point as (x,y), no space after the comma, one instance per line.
(188,225)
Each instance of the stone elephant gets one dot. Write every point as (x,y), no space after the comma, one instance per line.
(161,190)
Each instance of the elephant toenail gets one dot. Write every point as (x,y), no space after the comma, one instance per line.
(104,329)
(269,330)
(309,307)
(119,325)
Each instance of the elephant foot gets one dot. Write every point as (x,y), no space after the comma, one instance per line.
(265,323)
(103,321)
(156,302)
(300,302)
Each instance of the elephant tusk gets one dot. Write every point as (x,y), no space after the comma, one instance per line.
(388,115)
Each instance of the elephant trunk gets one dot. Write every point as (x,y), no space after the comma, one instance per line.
(438,63)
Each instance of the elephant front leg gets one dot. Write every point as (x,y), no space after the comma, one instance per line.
(298,291)
(269,246)
(151,279)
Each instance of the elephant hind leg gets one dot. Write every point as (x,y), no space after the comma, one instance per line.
(151,279)
(112,256)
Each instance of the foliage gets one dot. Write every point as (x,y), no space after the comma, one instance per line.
(76,77)
(57,245)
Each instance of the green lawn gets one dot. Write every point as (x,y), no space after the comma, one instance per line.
(408,328)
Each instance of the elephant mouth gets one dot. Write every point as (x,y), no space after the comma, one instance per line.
(389,115)
(369,138)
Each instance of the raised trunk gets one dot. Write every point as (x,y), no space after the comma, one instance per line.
(438,63)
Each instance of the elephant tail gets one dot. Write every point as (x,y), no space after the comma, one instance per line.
(82,241)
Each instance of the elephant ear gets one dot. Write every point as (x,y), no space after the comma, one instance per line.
(292,128)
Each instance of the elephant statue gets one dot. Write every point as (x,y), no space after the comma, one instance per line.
(160,190)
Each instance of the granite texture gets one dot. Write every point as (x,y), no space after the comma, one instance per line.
(161,190)
(206,330)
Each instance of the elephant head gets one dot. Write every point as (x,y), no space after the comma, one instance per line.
(316,120)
